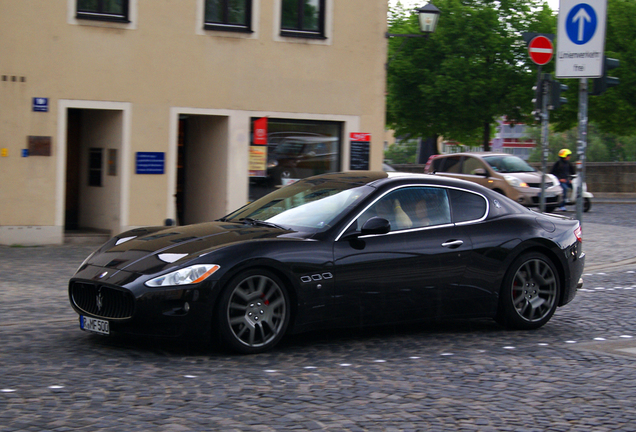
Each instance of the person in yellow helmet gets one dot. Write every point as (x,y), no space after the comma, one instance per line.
(563,170)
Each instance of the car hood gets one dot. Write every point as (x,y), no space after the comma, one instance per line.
(150,250)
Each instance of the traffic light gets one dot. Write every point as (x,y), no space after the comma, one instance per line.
(556,100)
(601,84)
(538,95)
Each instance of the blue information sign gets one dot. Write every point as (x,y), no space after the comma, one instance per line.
(40,104)
(150,163)
(581,23)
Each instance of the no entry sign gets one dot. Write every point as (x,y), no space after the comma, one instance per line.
(541,50)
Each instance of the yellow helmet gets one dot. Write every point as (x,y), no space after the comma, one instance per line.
(563,153)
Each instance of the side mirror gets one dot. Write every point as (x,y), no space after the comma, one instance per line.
(480,172)
(376,225)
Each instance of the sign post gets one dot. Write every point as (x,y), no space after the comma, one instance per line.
(580,54)
(541,51)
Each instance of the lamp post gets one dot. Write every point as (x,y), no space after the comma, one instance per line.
(428,16)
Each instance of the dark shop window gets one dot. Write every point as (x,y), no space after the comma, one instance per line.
(103,10)
(95,157)
(228,15)
(303,18)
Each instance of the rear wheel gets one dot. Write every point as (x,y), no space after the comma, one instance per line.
(530,292)
(253,312)
(587,204)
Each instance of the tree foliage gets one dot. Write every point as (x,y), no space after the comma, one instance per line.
(471,71)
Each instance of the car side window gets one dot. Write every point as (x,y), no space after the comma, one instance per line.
(450,164)
(411,207)
(471,166)
(467,206)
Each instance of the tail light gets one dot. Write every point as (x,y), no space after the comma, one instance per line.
(577,233)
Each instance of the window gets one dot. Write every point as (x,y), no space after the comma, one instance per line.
(103,10)
(95,166)
(448,164)
(295,149)
(229,15)
(303,18)
(473,166)
(411,207)
(467,206)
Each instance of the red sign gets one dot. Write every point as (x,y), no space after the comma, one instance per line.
(260,131)
(541,50)
(360,136)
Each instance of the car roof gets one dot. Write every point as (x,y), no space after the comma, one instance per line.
(476,154)
(381,178)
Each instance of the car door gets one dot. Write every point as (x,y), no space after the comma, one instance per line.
(401,275)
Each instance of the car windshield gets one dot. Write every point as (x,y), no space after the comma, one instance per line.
(508,164)
(308,205)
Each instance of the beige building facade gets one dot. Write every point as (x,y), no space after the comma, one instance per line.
(125,113)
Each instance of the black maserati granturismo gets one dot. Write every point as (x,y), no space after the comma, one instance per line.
(335,250)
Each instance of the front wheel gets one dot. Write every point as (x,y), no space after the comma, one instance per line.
(587,204)
(530,292)
(253,312)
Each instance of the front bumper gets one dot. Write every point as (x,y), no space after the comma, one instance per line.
(133,308)
(531,197)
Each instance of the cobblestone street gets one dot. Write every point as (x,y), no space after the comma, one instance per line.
(578,373)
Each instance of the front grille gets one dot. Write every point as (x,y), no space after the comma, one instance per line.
(548,184)
(102,301)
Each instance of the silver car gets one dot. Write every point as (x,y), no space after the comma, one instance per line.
(501,172)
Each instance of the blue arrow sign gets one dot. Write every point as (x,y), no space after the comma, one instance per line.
(581,23)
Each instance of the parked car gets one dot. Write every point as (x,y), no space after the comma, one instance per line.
(502,172)
(335,250)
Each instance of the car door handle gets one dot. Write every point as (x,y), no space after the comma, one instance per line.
(453,244)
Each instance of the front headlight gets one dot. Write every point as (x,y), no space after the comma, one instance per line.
(514,181)
(272,164)
(554,179)
(189,275)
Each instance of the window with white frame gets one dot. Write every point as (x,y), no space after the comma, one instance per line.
(228,15)
(103,10)
(303,18)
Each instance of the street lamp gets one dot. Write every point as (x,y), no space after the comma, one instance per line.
(428,16)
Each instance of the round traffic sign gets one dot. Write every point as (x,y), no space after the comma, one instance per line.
(541,50)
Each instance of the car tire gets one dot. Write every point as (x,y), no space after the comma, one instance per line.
(253,312)
(529,293)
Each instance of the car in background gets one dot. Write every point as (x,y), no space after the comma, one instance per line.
(502,172)
(340,250)
(300,156)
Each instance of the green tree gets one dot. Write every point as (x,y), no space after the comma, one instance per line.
(471,71)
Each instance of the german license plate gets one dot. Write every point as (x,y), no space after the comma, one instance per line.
(94,325)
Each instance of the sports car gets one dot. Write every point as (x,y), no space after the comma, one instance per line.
(335,250)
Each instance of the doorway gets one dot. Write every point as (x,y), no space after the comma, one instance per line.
(202,172)
(93,180)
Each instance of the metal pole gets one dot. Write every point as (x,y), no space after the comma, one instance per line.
(545,117)
(582,146)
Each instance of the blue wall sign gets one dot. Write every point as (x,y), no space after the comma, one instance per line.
(40,104)
(150,163)
(581,23)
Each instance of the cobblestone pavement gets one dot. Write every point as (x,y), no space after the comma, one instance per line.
(578,373)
